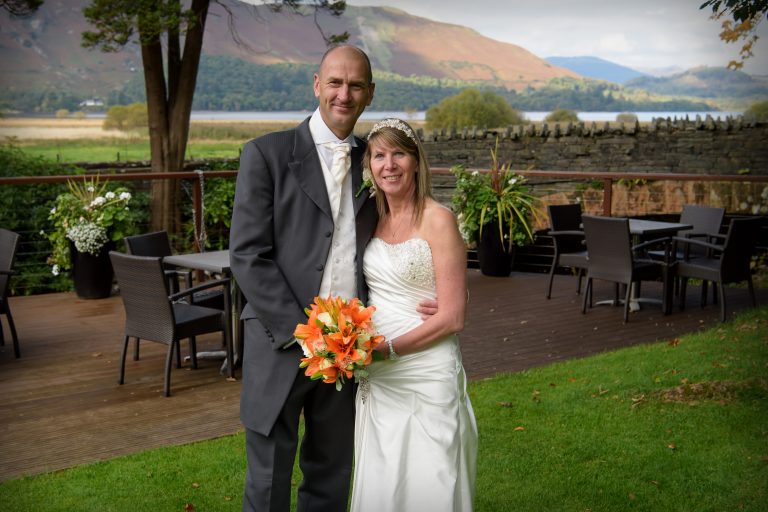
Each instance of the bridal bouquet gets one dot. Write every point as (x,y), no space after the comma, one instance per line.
(338,340)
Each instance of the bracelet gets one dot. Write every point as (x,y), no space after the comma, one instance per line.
(392,354)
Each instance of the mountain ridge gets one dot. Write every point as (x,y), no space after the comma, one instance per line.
(597,68)
(44,50)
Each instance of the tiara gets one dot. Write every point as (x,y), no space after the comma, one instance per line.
(397,125)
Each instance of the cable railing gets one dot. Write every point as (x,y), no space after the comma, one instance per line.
(605,193)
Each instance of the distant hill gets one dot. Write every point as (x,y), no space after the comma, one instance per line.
(44,52)
(416,61)
(597,68)
(228,83)
(706,83)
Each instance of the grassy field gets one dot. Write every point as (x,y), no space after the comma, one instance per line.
(674,426)
(83,140)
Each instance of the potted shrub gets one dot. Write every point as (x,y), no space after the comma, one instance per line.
(494,211)
(87,221)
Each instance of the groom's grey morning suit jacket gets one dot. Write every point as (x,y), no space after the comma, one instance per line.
(279,241)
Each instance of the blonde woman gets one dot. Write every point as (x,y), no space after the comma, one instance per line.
(415,432)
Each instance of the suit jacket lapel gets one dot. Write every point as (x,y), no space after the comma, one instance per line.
(357,177)
(307,169)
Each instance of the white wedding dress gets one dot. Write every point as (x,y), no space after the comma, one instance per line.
(415,432)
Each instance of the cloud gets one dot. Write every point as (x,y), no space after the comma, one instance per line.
(615,42)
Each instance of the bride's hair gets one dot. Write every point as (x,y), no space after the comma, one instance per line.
(398,133)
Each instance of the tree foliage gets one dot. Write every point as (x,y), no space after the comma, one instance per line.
(758,112)
(472,107)
(126,118)
(20,8)
(740,19)
(562,115)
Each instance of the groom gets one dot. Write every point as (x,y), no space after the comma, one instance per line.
(298,231)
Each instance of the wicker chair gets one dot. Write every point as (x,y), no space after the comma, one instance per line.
(728,262)
(9,241)
(706,222)
(152,314)
(568,239)
(612,258)
(158,244)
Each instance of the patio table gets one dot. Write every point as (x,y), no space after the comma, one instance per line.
(644,230)
(217,262)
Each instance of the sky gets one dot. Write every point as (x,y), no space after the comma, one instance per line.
(641,34)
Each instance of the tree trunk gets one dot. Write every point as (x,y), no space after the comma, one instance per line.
(169,110)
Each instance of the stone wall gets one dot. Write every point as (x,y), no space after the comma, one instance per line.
(664,146)
(698,146)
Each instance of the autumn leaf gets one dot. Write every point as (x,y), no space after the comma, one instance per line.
(188,507)
(519,429)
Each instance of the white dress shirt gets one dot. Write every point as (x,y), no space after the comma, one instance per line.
(340,271)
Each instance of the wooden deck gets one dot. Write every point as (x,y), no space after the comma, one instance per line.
(60,404)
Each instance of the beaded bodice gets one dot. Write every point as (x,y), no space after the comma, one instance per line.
(399,276)
(412,259)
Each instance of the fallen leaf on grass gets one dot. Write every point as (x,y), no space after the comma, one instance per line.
(600,391)
(505,404)
(674,342)
(637,400)
(519,429)
(188,507)
(672,446)
(195,485)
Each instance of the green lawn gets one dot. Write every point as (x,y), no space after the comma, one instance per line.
(672,426)
(114,150)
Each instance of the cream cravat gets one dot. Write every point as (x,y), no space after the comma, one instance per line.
(340,163)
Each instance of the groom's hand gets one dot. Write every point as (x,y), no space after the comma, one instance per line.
(427,308)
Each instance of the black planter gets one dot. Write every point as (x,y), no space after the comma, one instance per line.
(494,258)
(91,274)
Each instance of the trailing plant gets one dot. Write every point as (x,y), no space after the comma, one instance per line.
(499,200)
(88,215)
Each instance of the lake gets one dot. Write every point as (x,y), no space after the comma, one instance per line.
(207,115)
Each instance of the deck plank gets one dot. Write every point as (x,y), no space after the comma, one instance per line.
(61,406)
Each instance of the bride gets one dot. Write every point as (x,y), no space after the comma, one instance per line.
(415,432)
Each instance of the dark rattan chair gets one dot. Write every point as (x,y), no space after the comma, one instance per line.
(9,241)
(151,313)
(728,262)
(612,258)
(159,244)
(568,239)
(706,222)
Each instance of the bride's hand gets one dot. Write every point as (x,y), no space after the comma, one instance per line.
(427,308)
